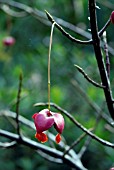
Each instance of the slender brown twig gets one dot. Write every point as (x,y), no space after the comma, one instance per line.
(72,38)
(17,104)
(88,78)
(104,28)
(92,103)
(89,139)
(66,33)
(75,143)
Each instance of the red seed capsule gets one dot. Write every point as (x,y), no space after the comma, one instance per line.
(58,138)
(42,137)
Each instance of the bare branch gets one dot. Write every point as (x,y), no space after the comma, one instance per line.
(8,144)
(47,150)
(89,139)
(49,158)
(11,12)
(64,32)
(75,143)
(72,38)
(88,78)
(99,57)
(92,103)
(104,28)
(107,4)
(17,104)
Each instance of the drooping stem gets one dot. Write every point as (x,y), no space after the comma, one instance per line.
(50,44)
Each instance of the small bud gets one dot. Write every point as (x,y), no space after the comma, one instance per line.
(8,41)
(112,17)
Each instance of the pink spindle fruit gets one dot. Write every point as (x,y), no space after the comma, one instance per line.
(44,120)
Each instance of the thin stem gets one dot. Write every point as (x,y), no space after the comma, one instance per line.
(104,28)
(76,142)
(89,139)
(8,144)
(90,41)
(17,104)
(11,12)
(50,44)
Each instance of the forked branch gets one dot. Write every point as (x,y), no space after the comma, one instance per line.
(99,57)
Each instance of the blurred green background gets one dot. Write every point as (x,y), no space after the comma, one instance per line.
(68,87)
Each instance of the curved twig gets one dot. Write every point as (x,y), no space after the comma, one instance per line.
(93,105)
(66,33)
(89,139)
(72,38)
(74,144)
(88,78)
(104,28)
(11,12)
